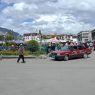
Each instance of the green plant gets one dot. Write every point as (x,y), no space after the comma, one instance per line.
(10,52)
(33,46)
(9,36)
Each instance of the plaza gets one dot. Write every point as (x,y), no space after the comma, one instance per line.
(48,77)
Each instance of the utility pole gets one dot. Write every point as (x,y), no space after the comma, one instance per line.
(40,35)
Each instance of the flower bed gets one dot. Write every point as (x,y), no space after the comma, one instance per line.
(11,52)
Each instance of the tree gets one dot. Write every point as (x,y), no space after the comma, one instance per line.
(33,45)
(9,36)
(1,37)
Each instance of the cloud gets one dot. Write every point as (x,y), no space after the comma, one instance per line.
(60,16)
(58,24)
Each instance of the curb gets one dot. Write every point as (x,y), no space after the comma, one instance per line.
(10,57)
(26,57)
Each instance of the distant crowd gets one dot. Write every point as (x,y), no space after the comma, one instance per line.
(60,46)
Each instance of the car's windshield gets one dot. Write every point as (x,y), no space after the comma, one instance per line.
(65,48)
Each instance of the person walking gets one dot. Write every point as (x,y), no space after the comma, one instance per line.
(21,54)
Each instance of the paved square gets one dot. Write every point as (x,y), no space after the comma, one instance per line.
(48,77)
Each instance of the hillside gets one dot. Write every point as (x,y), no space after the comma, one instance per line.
(4,30)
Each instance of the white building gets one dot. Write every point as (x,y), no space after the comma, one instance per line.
(74,38)
(61,37)
(31,36)
(68,38)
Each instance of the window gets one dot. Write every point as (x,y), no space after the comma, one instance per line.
(65,48)
(80,47)
(75,47)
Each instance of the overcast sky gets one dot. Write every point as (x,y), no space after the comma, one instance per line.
(50,16)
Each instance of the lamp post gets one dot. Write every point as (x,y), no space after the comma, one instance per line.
(40,35)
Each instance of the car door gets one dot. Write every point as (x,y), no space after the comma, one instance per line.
(73,51)
(80,51)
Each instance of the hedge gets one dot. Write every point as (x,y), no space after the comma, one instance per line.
(10,52)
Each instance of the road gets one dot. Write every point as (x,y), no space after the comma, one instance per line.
(48,77)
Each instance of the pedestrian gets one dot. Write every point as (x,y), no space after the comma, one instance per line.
(53,45)
(21,54)
(49,48)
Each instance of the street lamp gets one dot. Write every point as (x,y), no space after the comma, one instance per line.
(40,35)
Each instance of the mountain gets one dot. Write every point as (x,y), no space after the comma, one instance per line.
(4,30)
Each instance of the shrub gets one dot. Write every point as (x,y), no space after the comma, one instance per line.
(8,52)
(33,46)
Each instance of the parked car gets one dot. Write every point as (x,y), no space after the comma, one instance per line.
(71,52)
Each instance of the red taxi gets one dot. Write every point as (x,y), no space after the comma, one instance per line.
(70,52)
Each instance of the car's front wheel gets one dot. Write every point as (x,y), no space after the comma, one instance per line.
(66,58)
(85,55)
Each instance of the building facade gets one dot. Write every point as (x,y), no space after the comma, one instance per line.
(62,37)
(44,38)
(93,35)
(31,36)
(84,36)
